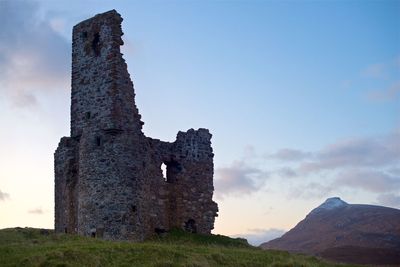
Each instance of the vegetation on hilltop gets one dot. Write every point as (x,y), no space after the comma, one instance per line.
(40,247)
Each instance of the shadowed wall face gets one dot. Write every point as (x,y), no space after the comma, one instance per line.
(108,178)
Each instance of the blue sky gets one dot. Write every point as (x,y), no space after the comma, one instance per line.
(302,98)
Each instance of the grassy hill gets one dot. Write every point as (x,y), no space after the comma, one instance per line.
(39,247)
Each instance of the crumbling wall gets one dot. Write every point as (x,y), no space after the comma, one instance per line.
(105,119)
(182,199)
(66,179)
(108,178)
(102,94)
(194,186)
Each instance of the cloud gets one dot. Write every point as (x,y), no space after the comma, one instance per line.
(369,180)
(286,172)
(258,236)
(394,171)
(374,181)
(249,151)
(37,211)
(239,179)
(361,152)
(33,56)
(376,71)
(370,164)
(311,190)
(387,94)
(4,196)
(288,154)
(391,200)
(346,84)
(387,81)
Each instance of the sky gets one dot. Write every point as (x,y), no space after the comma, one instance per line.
(302,99)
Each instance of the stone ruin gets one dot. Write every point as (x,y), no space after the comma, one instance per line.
(108,177)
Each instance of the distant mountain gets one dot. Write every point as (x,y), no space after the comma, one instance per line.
(336,230)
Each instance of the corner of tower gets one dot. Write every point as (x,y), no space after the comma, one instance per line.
(102,92)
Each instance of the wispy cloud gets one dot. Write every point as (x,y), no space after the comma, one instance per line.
(369,164)
(392,200)
(359,152)
(394,170)
(311,190)
(288,154)
(386,80)
(369,180)
(258,236)
(37,211)
(376,71)
(249,151)
(286,172)
(33,56)
(390,93)
(373,181)
(4,196)
(239,179)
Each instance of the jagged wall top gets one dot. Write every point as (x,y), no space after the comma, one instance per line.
(102,92)
(108,177)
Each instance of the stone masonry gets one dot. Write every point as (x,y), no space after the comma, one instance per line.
(108,177)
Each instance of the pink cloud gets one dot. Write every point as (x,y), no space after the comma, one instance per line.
(239,179)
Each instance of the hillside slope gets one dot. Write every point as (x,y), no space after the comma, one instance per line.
(346,232)
(38,247)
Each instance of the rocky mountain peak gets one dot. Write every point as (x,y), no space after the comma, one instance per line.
(330,204)
(351,233)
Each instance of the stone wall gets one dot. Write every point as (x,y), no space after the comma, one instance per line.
(108,178)
(66,178)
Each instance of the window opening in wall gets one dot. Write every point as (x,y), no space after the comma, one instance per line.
(93,233)
(84,35)
(87,115)
(164,171)
(98,141)
(170,170)
(96,44)
(133,208)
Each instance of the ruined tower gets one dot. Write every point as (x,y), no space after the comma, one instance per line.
(108,177)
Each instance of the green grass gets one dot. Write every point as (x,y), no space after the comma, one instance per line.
(35,247)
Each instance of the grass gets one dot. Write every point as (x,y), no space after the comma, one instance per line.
(39,247)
